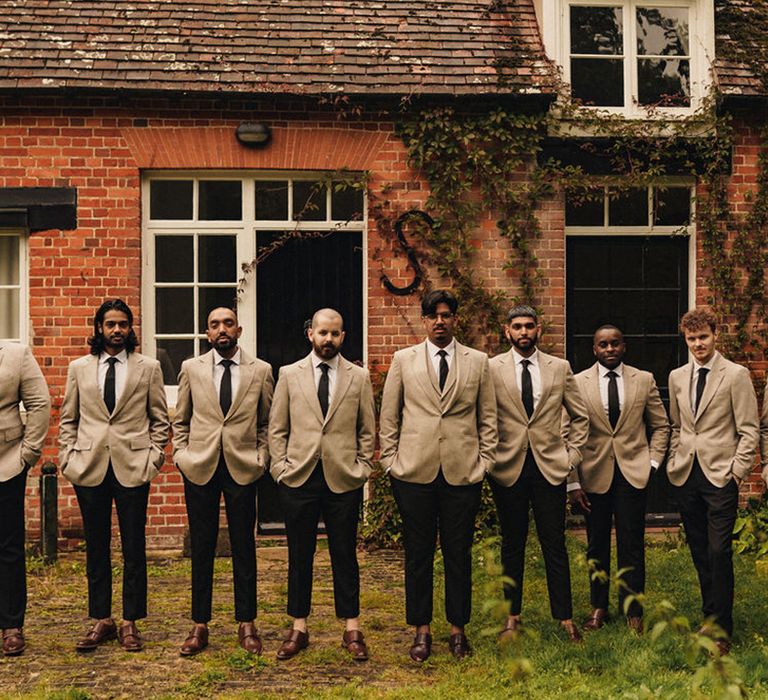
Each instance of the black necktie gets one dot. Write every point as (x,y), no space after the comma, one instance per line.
(613,399)
(701,382)
(225,390)
(322,388)
(109,385)
(527,388)
(443,368)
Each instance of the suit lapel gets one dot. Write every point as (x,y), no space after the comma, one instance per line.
(457,376)
(686,381)
(714,380)
(2,354)
(547,379)
(205,368)
(509,377)
(425,374)
(247,373)
(133,371)
(343,380)
(630,392)
(89,383)
(593,396)
(307,384)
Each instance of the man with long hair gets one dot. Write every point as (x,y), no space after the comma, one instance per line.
(113,431)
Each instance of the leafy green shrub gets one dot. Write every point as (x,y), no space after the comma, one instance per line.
(750,533)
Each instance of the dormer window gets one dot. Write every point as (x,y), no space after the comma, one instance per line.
(628,56)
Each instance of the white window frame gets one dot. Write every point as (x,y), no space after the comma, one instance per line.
(22,286)
(554,20)
(650,229)
(245,231)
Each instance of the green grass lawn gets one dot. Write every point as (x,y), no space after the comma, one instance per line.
(612,663)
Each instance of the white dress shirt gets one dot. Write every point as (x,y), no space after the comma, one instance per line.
(234,371)
(121,369)
(434,355)
(695,378)
(333,372)
(533,368)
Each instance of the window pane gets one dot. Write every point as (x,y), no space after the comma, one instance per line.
(221,200)
(661,312)
(597,81)
(309,201)
(347,204)
(628,207)
(170,354)
(173,259)
(170,199)
(217,259)
(585,208)
(9,260)
(213,297)
(664,81)
(596,30)
(174,310)
(662,265)
(272,200)
(672,206)
(662,31)
(9,313)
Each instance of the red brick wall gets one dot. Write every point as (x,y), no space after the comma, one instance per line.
(100,144)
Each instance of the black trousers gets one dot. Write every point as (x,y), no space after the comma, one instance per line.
(425,510)
(548,501)
(302,507)
(13,574)
(624,504)
(709,514)
(203,514)
(96,509)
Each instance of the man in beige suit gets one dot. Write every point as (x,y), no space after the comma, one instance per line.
(20,446)
(113,429)
(610,483)
(715,434)
(438,439)
(220,446)
(533,461)
(764,436)
(322,430)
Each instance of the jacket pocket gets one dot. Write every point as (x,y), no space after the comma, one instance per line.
(15,433)
(141,443)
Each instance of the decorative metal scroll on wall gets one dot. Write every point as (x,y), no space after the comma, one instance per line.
(410,252)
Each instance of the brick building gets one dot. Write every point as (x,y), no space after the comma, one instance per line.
(122,175)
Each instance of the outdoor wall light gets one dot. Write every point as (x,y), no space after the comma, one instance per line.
(253,135)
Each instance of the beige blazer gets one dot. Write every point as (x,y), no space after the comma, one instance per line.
(764,435)
(21,380)
(133,438)
(725,432)
(201,431)
(627,444)
(422,432)
(555,455)
(299,436)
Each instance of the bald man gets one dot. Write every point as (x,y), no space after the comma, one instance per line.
(220,446)
(321,439)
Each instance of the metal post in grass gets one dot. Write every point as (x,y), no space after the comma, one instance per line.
(49,512)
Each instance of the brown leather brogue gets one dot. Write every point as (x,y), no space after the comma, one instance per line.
(354,642)
(103,631)
(635,624)
(295,642)
(249,638)
(511,630)
(129,637)
(196,640)
(571,631)
(13,641)
(596,620)
(458,645)
(421,647)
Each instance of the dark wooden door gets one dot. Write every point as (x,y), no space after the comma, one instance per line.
(292,282)
(640,284)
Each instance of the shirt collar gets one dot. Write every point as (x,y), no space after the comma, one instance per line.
(604,370)
(121,357)
(235,359)
(533,359)
(432,349)
(333,363)
(709,365)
